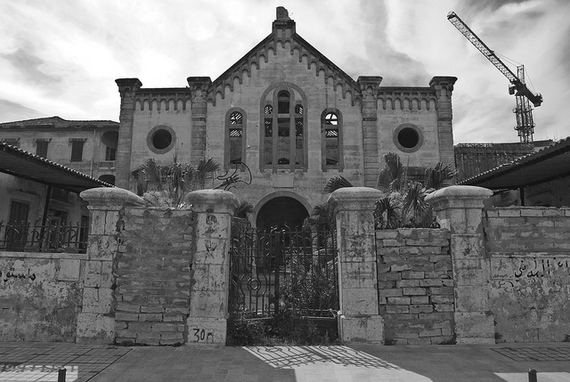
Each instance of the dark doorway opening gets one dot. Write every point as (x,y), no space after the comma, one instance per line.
(282,212)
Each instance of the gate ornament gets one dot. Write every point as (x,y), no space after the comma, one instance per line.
(229,181)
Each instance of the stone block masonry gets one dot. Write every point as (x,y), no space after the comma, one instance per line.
(40,294)
(415,286)
(529,248)
(154,276)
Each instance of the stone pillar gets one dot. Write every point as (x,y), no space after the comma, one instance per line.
(210,270)
(369,88)
(96,321)
(128,88)
(459,209)
(199,89)
(443,88)
(358,284)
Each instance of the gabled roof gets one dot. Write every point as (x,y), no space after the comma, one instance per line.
(296,42)
(58,123)
(23,164)
(548,164)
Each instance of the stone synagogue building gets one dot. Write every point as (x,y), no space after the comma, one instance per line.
(293,117)
(285,110)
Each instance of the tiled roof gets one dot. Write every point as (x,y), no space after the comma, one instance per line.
(22,164)
(550,163)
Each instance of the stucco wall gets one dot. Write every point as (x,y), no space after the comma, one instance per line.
(529,248)
(153,270)
(40,295)
(415,285)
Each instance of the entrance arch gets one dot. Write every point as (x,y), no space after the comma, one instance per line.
(281,210)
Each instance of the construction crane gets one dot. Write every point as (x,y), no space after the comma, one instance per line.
(524,96)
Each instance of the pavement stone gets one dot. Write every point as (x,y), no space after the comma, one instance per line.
(431,363)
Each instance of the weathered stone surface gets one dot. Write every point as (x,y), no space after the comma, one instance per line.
(97,300)
(69,270)
(205,330)
(212,200)
(367,329)
(108,198)
(39,296)
(408,305)
(94,328)
(474,328)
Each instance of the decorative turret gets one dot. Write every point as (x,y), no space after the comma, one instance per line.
(128,88)
(283,23)
(443,87)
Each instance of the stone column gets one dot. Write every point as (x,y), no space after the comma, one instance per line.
(369,88)
(96,321)
(358,284)
(443,89)
(128,88)
(199,89)
(459,209)
(210,270)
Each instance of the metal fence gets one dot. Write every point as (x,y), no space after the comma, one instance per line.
(30,237)
(283,269)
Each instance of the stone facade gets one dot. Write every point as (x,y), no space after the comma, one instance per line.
(415,286)
(40,295)
(153,276)
(161,277)
(292,116)
(529,250)
(86,146)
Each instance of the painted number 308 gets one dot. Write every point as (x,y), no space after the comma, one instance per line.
(201,335)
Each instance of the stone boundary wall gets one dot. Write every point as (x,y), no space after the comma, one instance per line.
(415,286)
(40,295)
(153,276)
(529,249)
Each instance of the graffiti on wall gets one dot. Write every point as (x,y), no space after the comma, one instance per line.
(12,274)
(510,273)
(202,335)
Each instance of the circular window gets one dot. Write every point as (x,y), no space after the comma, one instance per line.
(408,138)
(161,139)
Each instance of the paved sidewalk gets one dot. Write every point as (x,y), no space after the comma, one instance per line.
(436,363)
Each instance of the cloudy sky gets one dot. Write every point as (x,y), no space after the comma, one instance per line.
(62,57)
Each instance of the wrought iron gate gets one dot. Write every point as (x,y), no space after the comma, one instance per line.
(283,272)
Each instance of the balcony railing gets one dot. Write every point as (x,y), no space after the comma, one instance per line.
(28,237)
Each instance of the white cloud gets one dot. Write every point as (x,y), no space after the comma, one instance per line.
(81,47)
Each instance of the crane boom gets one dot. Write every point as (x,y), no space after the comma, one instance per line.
(517,83)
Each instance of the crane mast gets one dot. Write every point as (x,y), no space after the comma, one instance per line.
(524,96)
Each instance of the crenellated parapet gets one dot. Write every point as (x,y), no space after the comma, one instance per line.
(162,99)
(407,98)
(443,87)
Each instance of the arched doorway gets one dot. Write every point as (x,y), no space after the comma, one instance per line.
(282,211)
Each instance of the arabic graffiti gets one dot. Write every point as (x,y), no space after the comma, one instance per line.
(13,275)
(509,272)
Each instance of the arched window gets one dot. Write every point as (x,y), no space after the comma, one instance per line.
(331,135)
(283,143)
(235,137)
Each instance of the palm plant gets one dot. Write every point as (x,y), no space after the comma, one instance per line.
(405,205)
(336,182)
(168,185)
